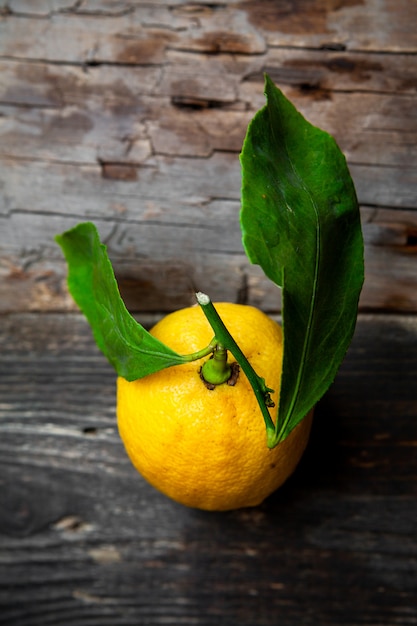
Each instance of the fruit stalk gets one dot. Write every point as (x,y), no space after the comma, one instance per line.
(217,370)
(222,335)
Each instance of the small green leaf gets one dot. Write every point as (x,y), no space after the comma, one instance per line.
(132,351)
(300,222)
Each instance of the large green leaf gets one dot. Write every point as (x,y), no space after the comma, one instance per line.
(300,222)
(131,350)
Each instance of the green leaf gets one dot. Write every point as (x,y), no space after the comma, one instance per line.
(300,222)
(131,350)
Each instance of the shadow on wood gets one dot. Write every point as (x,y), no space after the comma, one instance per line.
(84,540)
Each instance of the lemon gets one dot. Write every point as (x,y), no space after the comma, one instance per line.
(206,448)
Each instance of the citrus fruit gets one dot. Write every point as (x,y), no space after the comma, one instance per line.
(206,448)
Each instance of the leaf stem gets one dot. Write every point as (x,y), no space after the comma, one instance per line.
(222,335)
(194,356)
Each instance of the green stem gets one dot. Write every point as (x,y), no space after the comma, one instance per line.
(188,358)
(222,335)
(216,370)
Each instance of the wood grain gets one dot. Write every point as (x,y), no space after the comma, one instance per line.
(132,114)
(84,540)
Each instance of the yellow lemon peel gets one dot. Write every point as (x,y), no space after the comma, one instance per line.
(207,448)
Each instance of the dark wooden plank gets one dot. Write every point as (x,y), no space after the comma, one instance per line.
(84,541)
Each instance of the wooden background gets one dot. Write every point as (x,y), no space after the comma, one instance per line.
(132,114)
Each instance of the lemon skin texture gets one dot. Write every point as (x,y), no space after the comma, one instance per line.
(207,448)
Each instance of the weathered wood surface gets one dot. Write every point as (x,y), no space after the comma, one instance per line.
(132,114)
(84,541)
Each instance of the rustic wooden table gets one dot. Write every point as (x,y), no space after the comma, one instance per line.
(132,113)
(85,541)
